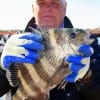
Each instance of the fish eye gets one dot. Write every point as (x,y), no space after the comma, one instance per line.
(72,35)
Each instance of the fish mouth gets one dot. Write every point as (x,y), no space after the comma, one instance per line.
(88,39)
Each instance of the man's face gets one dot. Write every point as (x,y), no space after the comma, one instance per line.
(49,13)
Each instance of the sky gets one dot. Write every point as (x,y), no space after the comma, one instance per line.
(14,14)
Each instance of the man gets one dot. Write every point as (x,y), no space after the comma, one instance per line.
(51,14)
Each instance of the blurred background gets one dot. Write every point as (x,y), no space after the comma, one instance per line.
(14,14)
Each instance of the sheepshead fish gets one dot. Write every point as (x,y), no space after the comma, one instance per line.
(35,81)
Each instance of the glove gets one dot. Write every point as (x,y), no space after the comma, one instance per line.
(79,64)
(22,48)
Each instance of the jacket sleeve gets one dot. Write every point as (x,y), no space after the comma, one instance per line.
(4,84)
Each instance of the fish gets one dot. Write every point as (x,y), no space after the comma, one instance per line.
(36,80)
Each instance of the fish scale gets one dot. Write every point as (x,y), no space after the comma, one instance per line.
(35,81)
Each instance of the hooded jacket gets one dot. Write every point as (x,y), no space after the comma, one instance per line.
(4,84)
(76,91)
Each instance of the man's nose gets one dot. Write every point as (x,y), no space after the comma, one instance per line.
(49,6)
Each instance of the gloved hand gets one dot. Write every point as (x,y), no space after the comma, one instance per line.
(21,48)
(79,64)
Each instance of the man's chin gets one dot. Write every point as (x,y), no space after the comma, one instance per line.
(49,26)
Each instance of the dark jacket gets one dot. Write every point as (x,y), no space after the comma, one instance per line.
(73,91)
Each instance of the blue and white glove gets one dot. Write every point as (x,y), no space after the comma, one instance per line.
(79,64)
(21,48)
